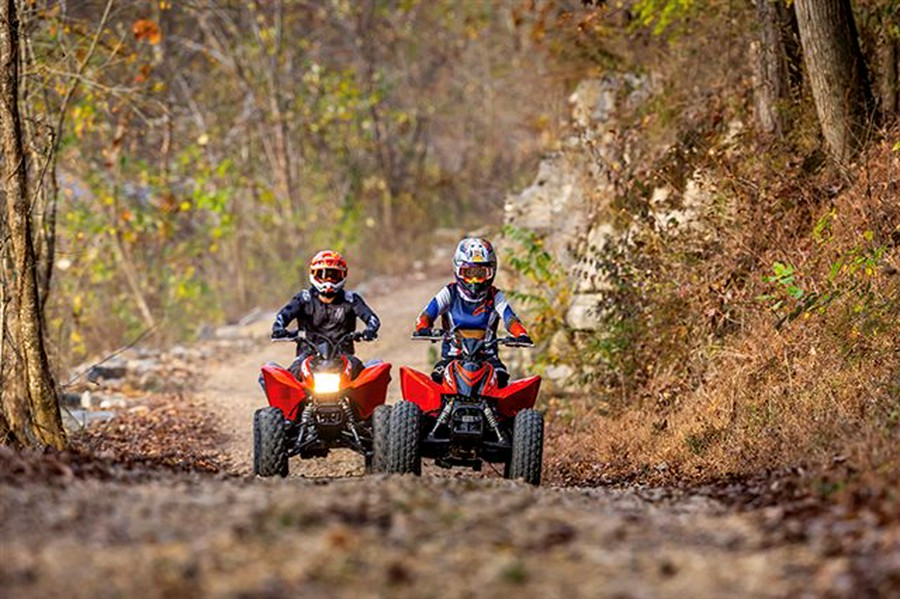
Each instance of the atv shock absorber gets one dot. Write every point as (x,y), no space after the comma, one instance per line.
(351,420)
(306,425)
(492,421)
(442,418)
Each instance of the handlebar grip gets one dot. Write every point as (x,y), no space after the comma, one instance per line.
(291,336)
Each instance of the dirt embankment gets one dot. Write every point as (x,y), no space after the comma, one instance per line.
(72,530)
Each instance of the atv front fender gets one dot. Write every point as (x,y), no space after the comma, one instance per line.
(283,390)
(369,389)
(420,389)
(516,396)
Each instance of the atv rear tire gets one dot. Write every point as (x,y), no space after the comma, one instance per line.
(270,456)
(404,453)
(377,462)
(527,447)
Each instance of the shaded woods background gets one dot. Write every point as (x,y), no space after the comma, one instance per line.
(208,147)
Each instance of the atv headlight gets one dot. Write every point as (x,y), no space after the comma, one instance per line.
(326,382)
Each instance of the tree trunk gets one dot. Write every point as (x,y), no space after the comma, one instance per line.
(889,71)
(284,164)
(38,391)
(775,51)
(837,74)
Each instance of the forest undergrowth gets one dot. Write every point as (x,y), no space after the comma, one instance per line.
(769,346)
(761,340)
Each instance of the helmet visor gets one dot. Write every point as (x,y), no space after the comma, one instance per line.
(471,273)
(328,275)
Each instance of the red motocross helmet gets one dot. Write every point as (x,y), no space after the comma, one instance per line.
(327,272)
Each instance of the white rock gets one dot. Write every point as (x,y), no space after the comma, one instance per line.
(559,372)
(583,312)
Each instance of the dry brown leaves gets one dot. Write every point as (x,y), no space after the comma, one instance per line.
(163,436)
(170,432)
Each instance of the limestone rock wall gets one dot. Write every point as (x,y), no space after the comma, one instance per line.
(572,203)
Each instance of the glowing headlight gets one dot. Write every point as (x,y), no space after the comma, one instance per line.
(326,382)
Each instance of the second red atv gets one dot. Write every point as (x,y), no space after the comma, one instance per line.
(325,406)
(466,419)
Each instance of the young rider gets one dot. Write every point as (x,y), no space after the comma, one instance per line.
(471,304)
(327,309)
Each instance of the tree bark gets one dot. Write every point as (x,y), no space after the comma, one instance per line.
(775,51)
(837,74)
(889,71)
(39,388)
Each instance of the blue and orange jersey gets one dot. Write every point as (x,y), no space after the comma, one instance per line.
(476,317)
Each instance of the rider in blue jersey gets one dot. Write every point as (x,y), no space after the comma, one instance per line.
(472,304)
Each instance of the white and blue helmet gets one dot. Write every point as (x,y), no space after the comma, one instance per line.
(475,266)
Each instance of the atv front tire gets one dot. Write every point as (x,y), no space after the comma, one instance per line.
(270,456)
(377,461)
(404,453)
(527,447)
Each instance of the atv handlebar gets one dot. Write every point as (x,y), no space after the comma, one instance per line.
(451,334)
(514,342)
(296,337)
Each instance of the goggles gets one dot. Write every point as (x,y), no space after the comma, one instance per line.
(475,274)
(328,275)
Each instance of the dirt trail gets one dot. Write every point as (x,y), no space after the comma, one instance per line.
(329,531)
(386,537)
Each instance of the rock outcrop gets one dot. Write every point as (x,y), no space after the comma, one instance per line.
(572,203)
(621,175)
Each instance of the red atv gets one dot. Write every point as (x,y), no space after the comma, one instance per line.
(467,418)
(322,408)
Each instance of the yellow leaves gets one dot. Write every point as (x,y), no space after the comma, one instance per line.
(185,288)
(77,342)
(83,117)
(146,30)
(374,183)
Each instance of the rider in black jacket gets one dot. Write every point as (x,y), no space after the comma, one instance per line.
(327,309)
